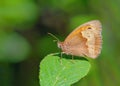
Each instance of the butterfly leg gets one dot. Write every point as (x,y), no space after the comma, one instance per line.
(61,57)
(72,57)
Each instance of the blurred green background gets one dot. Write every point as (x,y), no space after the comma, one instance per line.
(24,41)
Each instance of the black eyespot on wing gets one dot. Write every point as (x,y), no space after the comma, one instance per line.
(89,28)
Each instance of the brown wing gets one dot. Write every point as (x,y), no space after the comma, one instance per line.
(94,23)
(77,46)
(85,40)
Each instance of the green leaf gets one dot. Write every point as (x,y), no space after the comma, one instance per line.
(56,71)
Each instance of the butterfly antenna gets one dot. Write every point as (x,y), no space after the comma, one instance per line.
(54,37)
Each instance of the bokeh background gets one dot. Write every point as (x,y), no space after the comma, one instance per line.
(24,41)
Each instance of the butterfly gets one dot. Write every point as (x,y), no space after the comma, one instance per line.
(85,40)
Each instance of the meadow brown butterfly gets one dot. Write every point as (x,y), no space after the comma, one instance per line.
(85,40)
